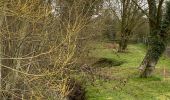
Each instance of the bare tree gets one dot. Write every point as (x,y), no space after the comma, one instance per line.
(129,18)
(39,46)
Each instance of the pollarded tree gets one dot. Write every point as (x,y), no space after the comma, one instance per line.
(129,17)
(157,37)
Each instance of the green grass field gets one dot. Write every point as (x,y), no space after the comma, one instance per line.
(126,84)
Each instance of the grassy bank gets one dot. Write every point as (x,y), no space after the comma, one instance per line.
(125,83)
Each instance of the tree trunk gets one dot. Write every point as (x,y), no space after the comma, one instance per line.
(150,61)
(157,39)
(123,44)
(148,64)
(153,54)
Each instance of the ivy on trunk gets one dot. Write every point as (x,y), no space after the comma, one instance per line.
(157,37)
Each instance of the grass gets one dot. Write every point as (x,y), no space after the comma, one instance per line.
(129,86)
(132,58)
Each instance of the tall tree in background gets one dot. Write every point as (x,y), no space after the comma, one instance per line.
(129,18)
(157,37)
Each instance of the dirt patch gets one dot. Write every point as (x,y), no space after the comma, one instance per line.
(165,72)
(167,52)
(111,46)
(106,62)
